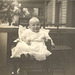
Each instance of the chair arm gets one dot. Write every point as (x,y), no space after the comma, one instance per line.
(48,44)
(14,43)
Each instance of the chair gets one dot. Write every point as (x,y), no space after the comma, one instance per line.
(23,65)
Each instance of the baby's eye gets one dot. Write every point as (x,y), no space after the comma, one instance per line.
(38,24)
(33,25)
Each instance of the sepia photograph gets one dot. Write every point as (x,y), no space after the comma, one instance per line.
(37,37)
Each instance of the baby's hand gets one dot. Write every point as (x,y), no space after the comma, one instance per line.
(53,45)
(28,42)
(44,39)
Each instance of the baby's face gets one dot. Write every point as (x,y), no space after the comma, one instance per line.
(35,26)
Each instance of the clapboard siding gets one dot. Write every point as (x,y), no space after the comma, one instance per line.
(53,11)
(64,11)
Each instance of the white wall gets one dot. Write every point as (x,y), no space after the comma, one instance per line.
(3,49)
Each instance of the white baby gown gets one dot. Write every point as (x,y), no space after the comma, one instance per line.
(37,48)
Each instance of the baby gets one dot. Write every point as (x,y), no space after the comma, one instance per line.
(32,41)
